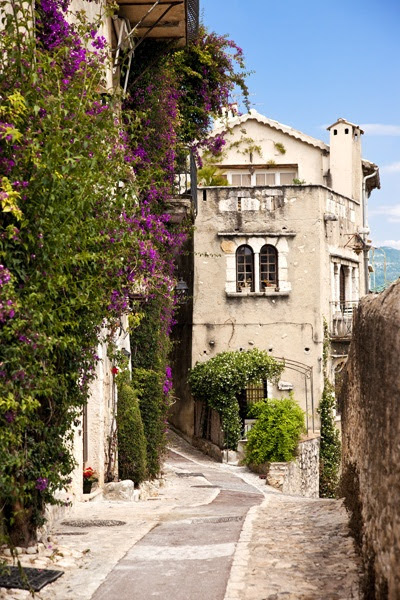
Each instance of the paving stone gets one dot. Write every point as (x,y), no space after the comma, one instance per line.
(299,550)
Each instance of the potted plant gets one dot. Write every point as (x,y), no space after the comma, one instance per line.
(89,477)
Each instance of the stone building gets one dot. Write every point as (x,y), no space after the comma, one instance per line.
(278,250)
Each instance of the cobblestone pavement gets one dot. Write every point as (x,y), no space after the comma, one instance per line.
(295,548)
(289,547)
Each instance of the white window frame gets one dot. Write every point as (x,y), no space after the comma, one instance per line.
(256,243)
(253,176)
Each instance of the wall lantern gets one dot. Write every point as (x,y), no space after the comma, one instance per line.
(181,290)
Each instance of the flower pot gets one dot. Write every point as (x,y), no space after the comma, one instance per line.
(87,486)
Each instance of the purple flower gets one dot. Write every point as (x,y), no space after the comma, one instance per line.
(9,416)
(167,386)
(41,483)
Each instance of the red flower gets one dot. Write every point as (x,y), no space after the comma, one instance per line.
(115,370)
(88,472)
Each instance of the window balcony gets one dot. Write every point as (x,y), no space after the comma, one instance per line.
(342,319)
(184,188)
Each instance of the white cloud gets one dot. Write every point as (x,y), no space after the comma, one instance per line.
(390,243)
(391,212)
(392,168)
(380,129)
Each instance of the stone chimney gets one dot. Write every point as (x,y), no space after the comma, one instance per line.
(345,159)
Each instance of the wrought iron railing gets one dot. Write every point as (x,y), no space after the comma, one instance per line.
(185,179)
(342,318)
(192,12)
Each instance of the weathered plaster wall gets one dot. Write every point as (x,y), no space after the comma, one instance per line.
(286,323)
(100,419)
(371,440)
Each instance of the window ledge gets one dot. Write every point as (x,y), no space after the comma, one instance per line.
(269,293)
(248,234)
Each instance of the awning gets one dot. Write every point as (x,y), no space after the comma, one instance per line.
(162,19)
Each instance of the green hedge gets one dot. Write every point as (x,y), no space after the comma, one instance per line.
(276,434)
(132,460)
(331,448)
(153,408)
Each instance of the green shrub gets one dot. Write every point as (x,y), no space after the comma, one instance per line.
(153,408)
(132,461)
(276,433)
(219,381)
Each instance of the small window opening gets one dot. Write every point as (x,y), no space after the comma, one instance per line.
(335,132)
(268,267)
(239,204)
(244,269)
(204,195)
(346,130)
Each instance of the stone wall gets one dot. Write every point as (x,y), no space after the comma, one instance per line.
(299,477)
(370,406)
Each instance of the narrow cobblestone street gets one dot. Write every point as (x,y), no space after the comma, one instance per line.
(214,532)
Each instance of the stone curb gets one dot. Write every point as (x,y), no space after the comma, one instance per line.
(241,557)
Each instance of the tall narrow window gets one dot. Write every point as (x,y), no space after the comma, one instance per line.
(268,267)
(342,286)
(244,269)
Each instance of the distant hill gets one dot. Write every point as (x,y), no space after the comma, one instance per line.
(377,259)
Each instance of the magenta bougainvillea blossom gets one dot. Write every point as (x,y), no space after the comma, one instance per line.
(86,234)
(167,386)
(41,483)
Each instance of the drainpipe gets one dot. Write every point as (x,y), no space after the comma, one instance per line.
(365,229)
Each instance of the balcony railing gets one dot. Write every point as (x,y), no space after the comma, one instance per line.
(342,318)
(185,180)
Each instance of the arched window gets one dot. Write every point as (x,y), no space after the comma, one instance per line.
(244,269)
(268,267)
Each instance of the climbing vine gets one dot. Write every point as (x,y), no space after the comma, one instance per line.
(330,448)
(219,381)
(84,227)
(69,256)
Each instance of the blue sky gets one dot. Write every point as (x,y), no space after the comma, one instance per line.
(315,61)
